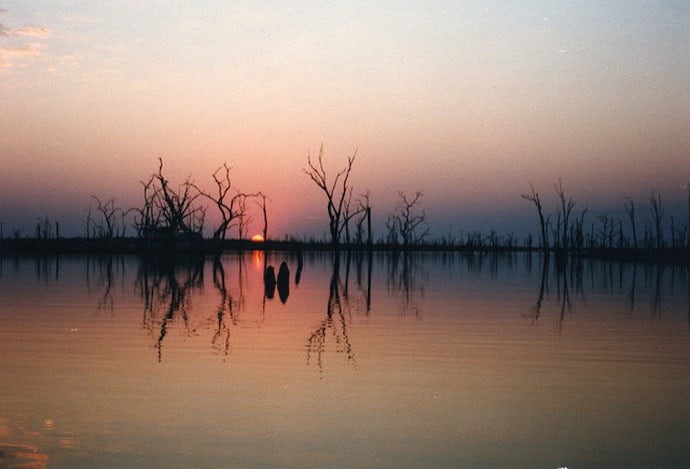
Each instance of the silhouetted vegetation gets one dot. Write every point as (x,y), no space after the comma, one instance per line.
(607,236)
(533,197)
(338,194)
(407,223)
(231,204)
(173,217)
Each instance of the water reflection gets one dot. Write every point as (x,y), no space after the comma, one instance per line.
(164,285)
(404,278)
(584,278)
(221,338)
(47,268)
(103,268)
(441,356)
(283,281)
(336,322)
(19,455)
(25,447)
(269,282)
(543,286)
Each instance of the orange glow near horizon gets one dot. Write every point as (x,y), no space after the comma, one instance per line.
(257,238)
(258,260)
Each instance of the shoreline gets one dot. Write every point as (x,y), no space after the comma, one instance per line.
(140,246)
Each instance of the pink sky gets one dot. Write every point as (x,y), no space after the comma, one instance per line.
(468,102)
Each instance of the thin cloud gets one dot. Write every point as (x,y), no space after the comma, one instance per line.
(25,51)
(10,54)
(31,31)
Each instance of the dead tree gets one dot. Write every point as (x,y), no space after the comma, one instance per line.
(577,231)
(347,215)
(606,232)
(533,197)
(44,228)
(657,215)
(353,209)
(265,216)
(335,192)
(107,228)
(231,203)
(566,209)
(226,199)
(630,210)
(168,213)
(407,222)
(177,206)
(88,221)
(244,219)
(148,221)
(364,208)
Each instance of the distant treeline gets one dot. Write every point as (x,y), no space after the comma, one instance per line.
(174,218)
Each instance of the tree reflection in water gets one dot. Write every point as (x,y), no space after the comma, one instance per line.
(610,278)
(402,277)
(105,283)
(562,288)
(47,268)
(543,287)
(335,324)
(221,338)
(164,284)
(106,268)
(230,306)
(164,287)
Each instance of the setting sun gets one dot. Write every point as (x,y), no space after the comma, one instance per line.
(257,238)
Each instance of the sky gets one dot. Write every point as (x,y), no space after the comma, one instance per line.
(467,101)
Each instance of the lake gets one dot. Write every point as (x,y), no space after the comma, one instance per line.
(367,360)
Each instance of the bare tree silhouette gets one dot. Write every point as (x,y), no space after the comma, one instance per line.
(407,222)
(168,213)
(231,203)
(149,219)
(177,206)
(630,210)
(44,228)
(262,204)
(88,221)
(566,207)
(606,231)
(657,215)
(577,236)
(108,227)
(336,193)
(533,197)
(364,208)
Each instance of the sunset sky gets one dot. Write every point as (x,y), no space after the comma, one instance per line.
(467,101)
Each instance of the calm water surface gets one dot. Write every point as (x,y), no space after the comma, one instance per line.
(368,361)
